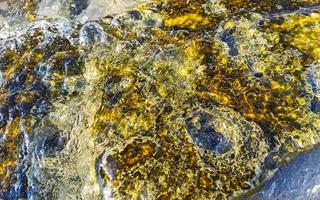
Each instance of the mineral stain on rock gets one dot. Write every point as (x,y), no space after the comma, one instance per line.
(164,100)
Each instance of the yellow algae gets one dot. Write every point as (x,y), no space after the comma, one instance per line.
(302,32)
(229,24)
(191,21)
(275,85)
(30,16)
(185,109)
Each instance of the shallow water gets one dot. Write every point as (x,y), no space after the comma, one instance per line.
(158,99)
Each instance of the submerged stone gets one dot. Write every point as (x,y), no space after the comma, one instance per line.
(205,136)
(167,100)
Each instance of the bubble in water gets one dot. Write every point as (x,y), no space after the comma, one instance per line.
(92,33)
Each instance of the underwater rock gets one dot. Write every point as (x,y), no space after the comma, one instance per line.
(78,6)
(205,136)
(163,100)
(298,180)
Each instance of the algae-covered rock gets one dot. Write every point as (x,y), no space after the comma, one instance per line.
(169,100)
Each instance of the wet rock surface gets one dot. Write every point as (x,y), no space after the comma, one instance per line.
(157,99)
(298,180)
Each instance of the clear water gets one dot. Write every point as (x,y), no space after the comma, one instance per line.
(62,149)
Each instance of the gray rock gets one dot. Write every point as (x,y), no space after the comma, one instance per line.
(300,180)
